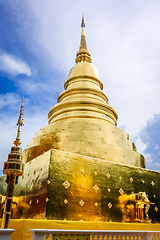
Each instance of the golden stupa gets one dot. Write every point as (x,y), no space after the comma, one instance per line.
(81,166)
(82,121)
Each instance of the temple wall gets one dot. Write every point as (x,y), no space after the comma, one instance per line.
(89,189)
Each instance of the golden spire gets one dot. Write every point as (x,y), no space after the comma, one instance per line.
(13,168)
(17,142)
(83,54)
(83,44)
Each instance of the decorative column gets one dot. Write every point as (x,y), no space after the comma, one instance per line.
(13,168)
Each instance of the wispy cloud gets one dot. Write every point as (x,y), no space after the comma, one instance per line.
(13,65)
(30,86)
(9,100)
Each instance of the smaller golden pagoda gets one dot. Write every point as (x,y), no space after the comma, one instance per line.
(13,168)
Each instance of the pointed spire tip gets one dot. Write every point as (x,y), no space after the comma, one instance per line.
(17,142)
(83,54)
(82,24)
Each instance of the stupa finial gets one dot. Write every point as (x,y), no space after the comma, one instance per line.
(83,54)
(83,24)
(83,44)
(17,142)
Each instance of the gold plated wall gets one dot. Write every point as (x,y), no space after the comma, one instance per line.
(31,190)
(90,189)
(76,187)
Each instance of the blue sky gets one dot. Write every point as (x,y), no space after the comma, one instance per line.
(38,44)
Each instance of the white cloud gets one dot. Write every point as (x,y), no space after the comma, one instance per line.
(140,145)
(9,99)
(13,65)
(29,86)
(130,71)
(151,164)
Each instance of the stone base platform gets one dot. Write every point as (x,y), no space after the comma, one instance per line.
(22,226)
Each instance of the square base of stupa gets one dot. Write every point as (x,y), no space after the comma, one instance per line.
(59,185)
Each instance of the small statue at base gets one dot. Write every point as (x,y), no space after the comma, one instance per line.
(142,201)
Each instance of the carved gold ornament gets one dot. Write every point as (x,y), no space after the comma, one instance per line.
(109,189)
(96,204)
(156,209)
(81,203)
(65,201)
(110,205)
(82,171)
(152,183)
(66,184)
(108,175)
(131,179)
(121,191)
(96,188)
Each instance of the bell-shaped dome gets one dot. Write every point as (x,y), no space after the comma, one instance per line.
(84,68)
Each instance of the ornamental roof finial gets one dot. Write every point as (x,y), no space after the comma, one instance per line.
(83,44)
(13,168)
(82,24)
(83,54)
(17,142)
